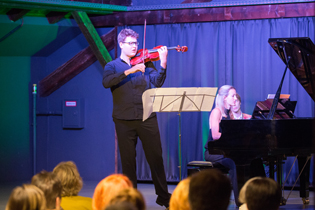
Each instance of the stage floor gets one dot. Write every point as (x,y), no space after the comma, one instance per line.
(294,202)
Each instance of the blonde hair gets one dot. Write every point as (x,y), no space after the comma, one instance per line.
(130,195)
(51,186)
(180,197)
(219,100)
(26,197)
(70,178)
(109,188)
(241,196)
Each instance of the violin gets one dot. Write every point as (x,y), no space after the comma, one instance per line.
(146,55)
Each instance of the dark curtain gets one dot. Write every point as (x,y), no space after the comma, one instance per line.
(232,52)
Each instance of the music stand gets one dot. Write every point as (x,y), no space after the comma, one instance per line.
(284,110)
(178,100)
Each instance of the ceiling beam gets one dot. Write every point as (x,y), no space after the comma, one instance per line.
(92,37)
(16,14)
(54,17)
(114,2)
(205,14)
(212,4)
(74,66)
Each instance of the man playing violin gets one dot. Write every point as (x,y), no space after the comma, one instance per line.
(127,84)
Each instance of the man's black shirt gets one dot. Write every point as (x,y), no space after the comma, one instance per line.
(127,90)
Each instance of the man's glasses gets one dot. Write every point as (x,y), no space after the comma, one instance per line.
(132,43)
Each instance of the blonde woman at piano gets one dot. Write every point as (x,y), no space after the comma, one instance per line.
(236,112)
(225,98)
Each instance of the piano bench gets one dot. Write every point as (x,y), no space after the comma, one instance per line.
(196,166)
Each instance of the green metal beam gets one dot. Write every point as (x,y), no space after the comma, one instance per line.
(62,6)
(92,37)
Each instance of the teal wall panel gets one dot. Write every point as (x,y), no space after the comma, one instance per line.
(15,148)
(32,34)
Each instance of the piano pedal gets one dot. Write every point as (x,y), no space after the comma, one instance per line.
(283,201)
(306,200)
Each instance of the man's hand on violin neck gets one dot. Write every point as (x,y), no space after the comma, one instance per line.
(163,56)
(136,68)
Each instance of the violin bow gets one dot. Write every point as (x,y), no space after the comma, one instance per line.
(145,26)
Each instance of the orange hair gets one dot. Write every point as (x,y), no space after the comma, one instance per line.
(109,188)
(179,199)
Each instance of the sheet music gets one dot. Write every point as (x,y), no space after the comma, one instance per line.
(170,100)
(282,96)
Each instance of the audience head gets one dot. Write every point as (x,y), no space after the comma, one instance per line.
(225,98)
(124,205)
(109,188)
(209,190)
(179,199)
(50,184)
(263,193)
(130,195)
(241,197)
(70,178)
(26,197)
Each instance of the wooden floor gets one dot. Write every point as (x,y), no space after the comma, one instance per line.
(294,202)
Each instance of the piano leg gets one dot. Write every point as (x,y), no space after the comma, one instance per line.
(271,164)
(245,171)
(243,174)
(304,178)
(257,168)
(279,164)
(278,161)
(280,171)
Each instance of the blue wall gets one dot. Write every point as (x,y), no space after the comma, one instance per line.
(208,63)
(91,148)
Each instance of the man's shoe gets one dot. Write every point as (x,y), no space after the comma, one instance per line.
(163,201)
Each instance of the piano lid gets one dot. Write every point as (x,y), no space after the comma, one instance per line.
(302,62)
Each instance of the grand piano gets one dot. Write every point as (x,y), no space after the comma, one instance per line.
(277,133)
